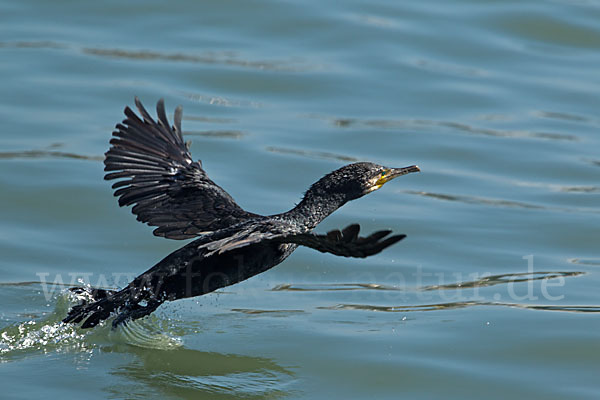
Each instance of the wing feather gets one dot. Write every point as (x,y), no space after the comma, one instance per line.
(156,174)
(345,243)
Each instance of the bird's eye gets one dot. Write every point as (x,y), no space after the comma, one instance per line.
(383,173)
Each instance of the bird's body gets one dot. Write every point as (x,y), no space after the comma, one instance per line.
(171,191)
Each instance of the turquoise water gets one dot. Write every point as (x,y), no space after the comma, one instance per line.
(492,295)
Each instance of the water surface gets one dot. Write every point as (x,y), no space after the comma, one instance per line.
(492,295)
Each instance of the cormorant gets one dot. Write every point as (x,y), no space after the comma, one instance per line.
(155,172)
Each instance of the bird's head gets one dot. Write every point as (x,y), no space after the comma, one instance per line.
(356,180)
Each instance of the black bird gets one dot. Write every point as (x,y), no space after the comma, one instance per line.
(169,190)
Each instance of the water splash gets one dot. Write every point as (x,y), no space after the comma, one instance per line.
(45,335)
(48,333)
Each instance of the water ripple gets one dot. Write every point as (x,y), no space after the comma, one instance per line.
(375,20)
(198,374)
(221,101)
(561,116)
(451,125)
(556,187)
(9,155)
(446,68)
(466,128)
(223,134)
(484,281)
(585,261)
(312,154)
(594,162)
(146,333)
(223,58)
(461,304)
(251,311)
(499,202)
(492,280)
(35,44)
(476,200)
(287,287)
(189,117)
(229,58)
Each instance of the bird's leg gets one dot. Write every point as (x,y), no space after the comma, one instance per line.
(88,295)
(135,311)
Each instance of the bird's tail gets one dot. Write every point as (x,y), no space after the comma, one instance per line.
(102,303)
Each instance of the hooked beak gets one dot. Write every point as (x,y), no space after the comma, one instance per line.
(392,173)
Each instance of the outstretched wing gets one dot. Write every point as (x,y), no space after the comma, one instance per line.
(157,175)
(345,243)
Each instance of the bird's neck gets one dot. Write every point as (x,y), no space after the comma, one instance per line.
(314,208)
